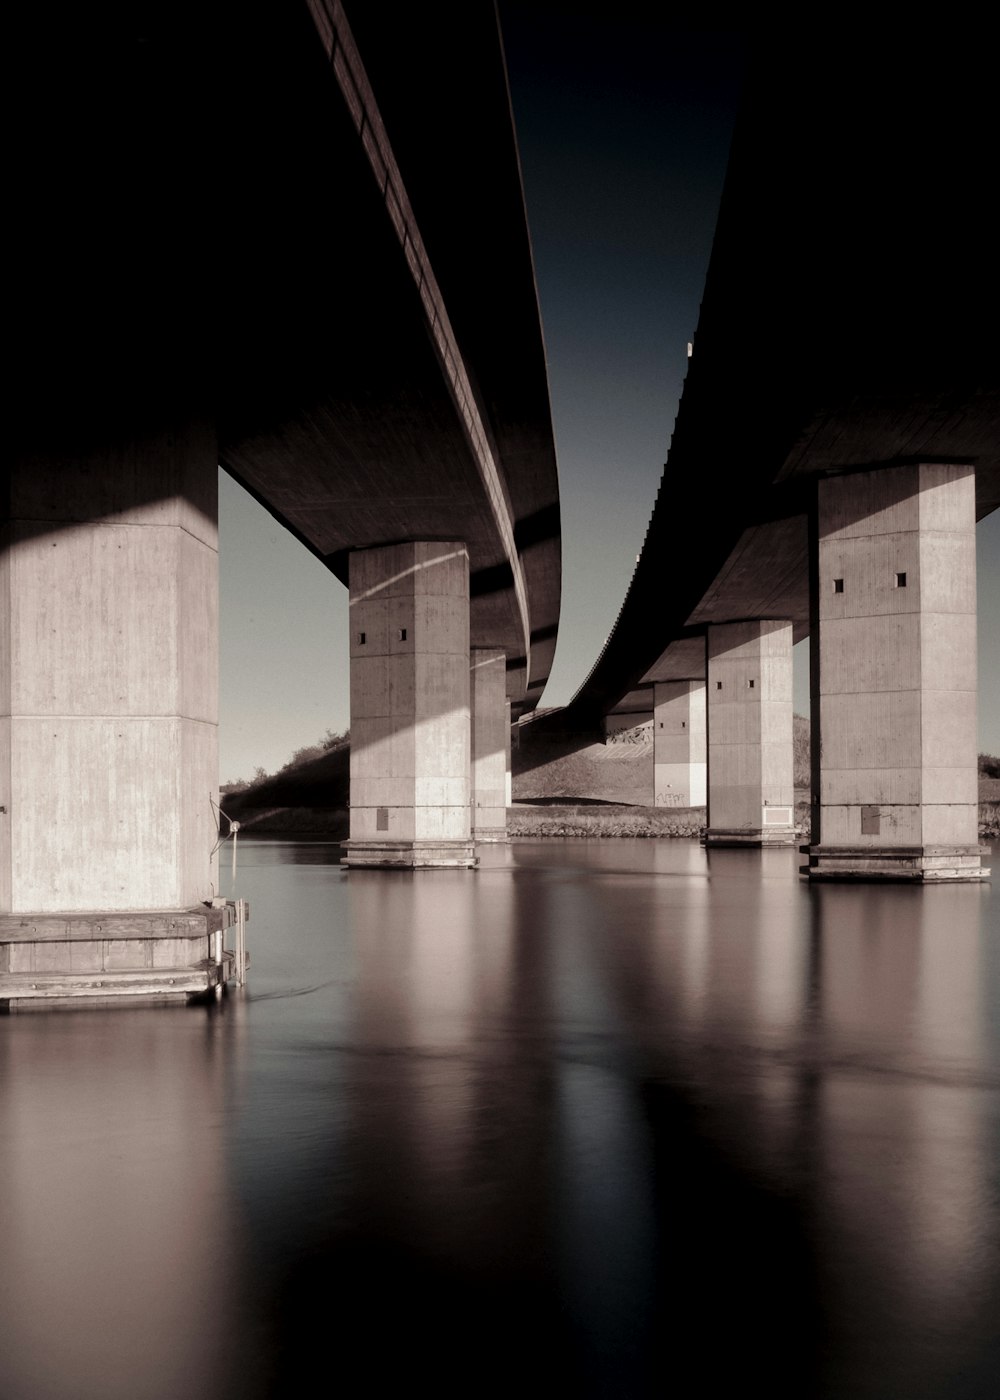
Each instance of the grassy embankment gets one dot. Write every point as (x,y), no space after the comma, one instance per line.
(560,789)
(602,790)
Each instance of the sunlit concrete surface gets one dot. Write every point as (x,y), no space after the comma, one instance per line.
(109,730)
(508,783)
(109,594)
(751,791)
(410,750)
(894,676)
(680,753)
(490,739)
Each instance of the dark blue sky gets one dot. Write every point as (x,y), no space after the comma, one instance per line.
(624,127)
(624,122)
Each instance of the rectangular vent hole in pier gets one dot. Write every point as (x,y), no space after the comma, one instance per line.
(838,585)
(750,685)
(402,634)
(361,639)
(718,685)
(900,580)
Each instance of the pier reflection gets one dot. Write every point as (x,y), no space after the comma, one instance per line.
(593,1119)
(114,1201)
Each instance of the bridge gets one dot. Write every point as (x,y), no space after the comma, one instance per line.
(294,241)
(290,239)
(838,437)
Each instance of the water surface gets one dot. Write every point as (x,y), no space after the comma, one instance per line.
(602,1118)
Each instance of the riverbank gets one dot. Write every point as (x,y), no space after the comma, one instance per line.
(531,820)
(542,818)
(562,787)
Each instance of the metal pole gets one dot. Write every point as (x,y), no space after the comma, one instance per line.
(241,941)
(233,831)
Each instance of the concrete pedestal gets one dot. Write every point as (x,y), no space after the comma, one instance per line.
(680,755)
(109,710)
(109,723)
(50,960)
(509,774)
(894,676)
(410,752)
(751,791)
(490,737)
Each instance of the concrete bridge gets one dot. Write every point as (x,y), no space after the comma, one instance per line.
(290,239)
(837,439)
(294,241)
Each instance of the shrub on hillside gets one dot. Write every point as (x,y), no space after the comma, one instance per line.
(800,751)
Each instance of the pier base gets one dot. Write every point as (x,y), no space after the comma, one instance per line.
(51,960)
(928,864)
(409,855)
(781,833)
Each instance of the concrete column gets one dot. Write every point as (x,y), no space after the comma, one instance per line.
(894,676)
(109,675)
(490,740)
(751,792)
(509,775)
(680,759)
(409,620)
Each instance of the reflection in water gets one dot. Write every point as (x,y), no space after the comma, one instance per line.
(601,1118)
(113,1203)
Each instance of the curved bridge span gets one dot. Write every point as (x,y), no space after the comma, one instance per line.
(837,438)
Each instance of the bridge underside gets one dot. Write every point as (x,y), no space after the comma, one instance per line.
(847,328)
(311,232)
(252,236)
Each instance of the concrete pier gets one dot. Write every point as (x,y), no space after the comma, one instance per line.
(894,676)
(751,792)
(490,735)
(410,747)
(109,712)
(680,754)
(509,773)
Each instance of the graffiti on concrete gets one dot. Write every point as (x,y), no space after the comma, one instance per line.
(637,734)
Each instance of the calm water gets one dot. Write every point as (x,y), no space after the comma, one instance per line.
(601,1119)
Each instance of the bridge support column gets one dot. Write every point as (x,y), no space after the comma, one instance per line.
(508,773)
(895,790)
(751,793)
(409,620)
(490,740)
(109,720)
(680,759)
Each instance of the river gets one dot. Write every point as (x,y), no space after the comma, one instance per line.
(601,1119)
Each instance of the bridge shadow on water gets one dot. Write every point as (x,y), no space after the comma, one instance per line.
(722,1286)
